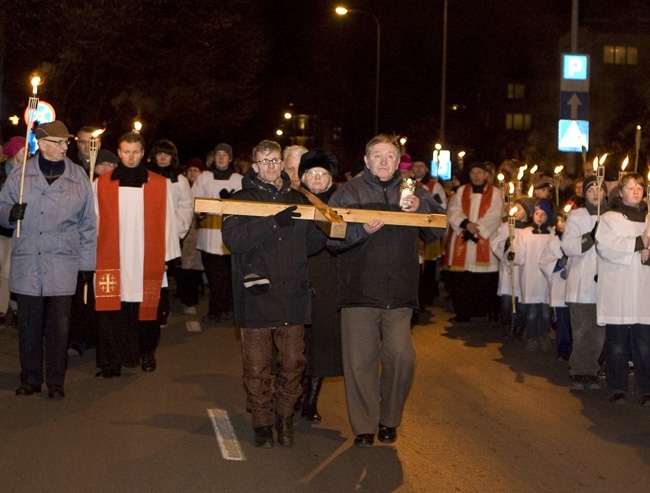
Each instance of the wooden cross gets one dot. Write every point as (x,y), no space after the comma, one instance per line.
(332,220)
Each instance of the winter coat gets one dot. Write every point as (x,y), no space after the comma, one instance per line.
(58,236)
(379,270)
(263,249)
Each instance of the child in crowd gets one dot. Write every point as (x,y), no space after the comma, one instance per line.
(528,248)
(524,209)
(553,265)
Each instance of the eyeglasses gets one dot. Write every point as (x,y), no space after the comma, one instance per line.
(266,162)
(65,142)
(312,173)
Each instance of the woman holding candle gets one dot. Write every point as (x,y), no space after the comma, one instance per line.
(623,285)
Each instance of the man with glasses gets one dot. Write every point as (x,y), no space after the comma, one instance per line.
(271,292)
(56,245)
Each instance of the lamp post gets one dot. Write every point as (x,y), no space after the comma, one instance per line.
(344,11)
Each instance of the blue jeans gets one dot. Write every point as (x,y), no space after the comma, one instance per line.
(506,311)
(622,343)
(538,319)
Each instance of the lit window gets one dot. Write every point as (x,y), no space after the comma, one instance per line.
(517,121)
(632,55)
(620,55)
(516,91)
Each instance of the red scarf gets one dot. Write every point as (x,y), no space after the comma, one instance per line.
(107,278)
(457,248)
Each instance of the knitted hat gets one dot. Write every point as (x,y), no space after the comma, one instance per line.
(405,162)
(53,129)
(106,156)
(195,162)
(527,204)
(591,181)
(545,206)
(224,147)
(318,158)
(477,164)
(13,145)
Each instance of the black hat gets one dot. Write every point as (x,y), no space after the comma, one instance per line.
(224,147)
(478,164)
(318,158)
(590,181)
(106,156)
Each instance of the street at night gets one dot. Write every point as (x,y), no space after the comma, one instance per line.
(483,415)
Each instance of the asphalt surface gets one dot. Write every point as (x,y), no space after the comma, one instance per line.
(484,415)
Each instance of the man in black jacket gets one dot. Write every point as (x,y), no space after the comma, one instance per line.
(271,292)
(378,291)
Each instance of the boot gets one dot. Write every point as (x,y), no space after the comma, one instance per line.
(284,426)
(303,384)
(309,409)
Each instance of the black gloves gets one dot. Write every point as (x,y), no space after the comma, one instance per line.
(85,276)
(593,232)
(225,194)
(561,263)
(286,216)
(17,212)
(511,256)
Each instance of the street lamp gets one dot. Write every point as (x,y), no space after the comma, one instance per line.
(344,11)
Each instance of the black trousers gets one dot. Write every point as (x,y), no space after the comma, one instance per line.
(219,271)
(475,294)
(123,338)
(43,320)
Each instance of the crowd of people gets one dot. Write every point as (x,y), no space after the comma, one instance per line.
(89,259)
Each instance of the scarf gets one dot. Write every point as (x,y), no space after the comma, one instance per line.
(634,214)
(457,248)
(107,278)
(223,174)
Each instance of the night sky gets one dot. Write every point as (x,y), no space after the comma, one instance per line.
(310,60)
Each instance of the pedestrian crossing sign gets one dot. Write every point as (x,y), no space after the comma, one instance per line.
(573,135)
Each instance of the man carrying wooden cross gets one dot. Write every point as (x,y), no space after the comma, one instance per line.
(378,274)
(271,292)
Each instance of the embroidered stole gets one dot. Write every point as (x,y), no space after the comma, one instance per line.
(107,278)
(457,248)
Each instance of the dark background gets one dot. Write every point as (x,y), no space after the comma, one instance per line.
(201,72)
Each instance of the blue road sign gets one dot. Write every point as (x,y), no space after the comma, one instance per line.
(574,67)
(574,105)
(572,135)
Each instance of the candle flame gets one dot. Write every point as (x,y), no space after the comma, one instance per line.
(534,169)
(625,162)
(35,83)
(596,163)
(567,208)
(520,175)
(137,126)
(511,188)
(638,128)
(98,132)
(530,190)
(558,169)
(601,161)
(648,176)
(501,177)
(513,211)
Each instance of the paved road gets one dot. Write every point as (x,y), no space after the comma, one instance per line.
(483,416)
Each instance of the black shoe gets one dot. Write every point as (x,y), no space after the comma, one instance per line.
(284,426)
(108,372)
(163,319)
(211,319)
(148,362)
(309,406)
(57,392)
(645,401)
(27,389)
(264,437)
(364,440)
(387,434)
